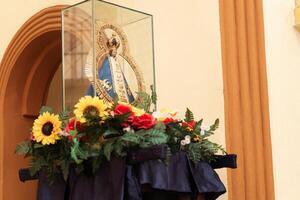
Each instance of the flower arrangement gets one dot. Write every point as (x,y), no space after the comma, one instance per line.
(97,130)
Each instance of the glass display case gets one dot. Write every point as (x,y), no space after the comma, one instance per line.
(107,51)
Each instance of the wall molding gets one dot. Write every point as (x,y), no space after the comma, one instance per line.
(246,99)
(35,41)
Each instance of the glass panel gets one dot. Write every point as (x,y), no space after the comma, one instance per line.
(119,62)
(54,96)
(77,41)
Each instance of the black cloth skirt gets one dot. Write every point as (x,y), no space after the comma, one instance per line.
(116,180)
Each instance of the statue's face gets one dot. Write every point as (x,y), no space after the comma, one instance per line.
(113,52)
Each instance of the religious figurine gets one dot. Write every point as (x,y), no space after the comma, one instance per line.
(111,81)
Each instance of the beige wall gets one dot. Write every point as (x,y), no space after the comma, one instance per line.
(283,67)
(187,49)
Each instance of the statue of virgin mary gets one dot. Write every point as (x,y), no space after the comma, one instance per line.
(111,76)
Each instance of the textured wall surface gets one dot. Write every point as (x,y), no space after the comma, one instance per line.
(283,61)
(187,49)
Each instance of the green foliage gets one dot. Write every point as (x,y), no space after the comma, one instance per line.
(189,116)
(215,126)
(212,128)
(153,136)
(194,152)
(64,117)
(110,132)
(36,165)
(65,168)
(198,125)
(143,101)
(23,148)
(78,154)
(153,95)
(108,149)
(97,141)
(132,138)
(203,151)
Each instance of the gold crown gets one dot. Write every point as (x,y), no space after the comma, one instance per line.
(113,42)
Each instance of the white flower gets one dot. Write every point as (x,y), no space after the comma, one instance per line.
(63,133)
(204,129)
(187,139)
(163,114)
(202,132)
(112,113)
(182,142)
(128,129)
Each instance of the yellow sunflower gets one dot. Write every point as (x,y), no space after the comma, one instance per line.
(92,106)
(46,128)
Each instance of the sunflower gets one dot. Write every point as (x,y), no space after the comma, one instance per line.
(90,106)
(46,128)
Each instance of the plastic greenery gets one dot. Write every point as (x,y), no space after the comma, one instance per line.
(103,131)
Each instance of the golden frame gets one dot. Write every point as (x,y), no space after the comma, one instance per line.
(102,52)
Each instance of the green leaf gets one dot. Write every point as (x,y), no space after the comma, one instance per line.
(215,126)
(194,152)
(110,132)
(160,126)
(197,128)
(35,165)
(73,132)
(45,109)
(143,101)
(122,118)
(153,136)
(23,148)
(37,145)
(65,168)
(119,148)
(108,149)
(132,138)
(64,115)
(189,116)
(96,162)
(77,153)
(153,95)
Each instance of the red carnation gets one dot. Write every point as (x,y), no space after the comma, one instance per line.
(128,121)
(70,138)
(121,109)
(71,126)
(190,125)
(169,120)
(145,121)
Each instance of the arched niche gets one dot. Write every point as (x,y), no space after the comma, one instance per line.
(26,71)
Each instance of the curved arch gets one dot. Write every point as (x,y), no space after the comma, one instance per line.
(26,70)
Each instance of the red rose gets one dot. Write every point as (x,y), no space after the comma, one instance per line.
(190,125)
(70,138)
(71,126)
(169,120)
(145,121)
(121,109)
(128,121)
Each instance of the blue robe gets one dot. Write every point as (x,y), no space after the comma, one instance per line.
(104,73)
